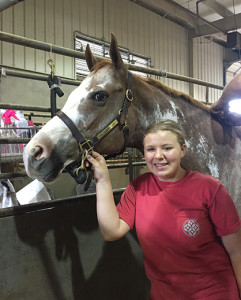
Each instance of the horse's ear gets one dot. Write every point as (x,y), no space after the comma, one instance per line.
(115,53)
(89,57)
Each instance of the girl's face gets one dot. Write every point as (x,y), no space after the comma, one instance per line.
(163,155)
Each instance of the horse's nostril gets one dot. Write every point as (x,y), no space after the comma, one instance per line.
(37,152)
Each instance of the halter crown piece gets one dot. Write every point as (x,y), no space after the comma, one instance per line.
(79,172)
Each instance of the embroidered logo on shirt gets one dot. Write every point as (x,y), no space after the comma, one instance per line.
(191,228)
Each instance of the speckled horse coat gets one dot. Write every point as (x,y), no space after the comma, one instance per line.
(213,146)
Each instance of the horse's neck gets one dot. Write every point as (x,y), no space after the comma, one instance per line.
(149,105)
(153,102)
(139,115)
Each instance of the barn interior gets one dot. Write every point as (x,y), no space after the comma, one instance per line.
(51,247)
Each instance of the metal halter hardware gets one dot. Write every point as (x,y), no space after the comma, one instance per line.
(87,145)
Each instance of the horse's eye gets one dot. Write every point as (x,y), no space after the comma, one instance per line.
(100,96)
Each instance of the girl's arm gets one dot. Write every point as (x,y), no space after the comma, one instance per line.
(232,243)
(111,226)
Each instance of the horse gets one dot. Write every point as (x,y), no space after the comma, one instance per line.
(110,110)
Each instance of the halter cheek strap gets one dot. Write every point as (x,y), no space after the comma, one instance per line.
(87,145)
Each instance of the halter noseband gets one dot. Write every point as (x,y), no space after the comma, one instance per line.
(87,145)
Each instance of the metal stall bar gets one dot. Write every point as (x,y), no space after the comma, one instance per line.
(23,107)
(19,40)
(163,73)
(6,71)
(109,166)
(46,205)
(14,140)
(31,43)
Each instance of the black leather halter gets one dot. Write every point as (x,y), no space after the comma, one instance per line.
(87,145)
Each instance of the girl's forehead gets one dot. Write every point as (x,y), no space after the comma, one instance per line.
(161,134)
(162,137)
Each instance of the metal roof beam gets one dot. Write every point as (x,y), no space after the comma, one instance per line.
(177,13)
(7,3)
(218,8)
(227,24)
(170,10)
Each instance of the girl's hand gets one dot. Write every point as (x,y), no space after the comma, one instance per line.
(99,167)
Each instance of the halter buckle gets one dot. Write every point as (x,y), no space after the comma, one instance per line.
(125,125)
(129,95)
(82,166)
(85,146)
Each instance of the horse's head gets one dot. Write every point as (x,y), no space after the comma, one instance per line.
(221,108)
(91,107)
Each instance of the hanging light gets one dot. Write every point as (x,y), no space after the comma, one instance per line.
(235,106)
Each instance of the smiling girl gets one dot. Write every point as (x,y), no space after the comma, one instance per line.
(186,222)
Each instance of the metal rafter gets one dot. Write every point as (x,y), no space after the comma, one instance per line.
(180,15)
(218,8)
(227,24)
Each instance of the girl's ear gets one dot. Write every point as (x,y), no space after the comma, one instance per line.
(183,149)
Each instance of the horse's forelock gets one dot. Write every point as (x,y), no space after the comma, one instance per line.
(101,65)
(106,63)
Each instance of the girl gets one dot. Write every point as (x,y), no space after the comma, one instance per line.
(186,222)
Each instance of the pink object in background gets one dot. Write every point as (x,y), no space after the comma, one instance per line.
(7,116)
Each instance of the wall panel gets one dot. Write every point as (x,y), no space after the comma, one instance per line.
(18,29)
(140,30)
(75,15)
(91,7)
(68,38)
(59,25)
(29,31)
(98,19)
(39,24)
(84,17)
(208,66)
(49,32)
(7,25)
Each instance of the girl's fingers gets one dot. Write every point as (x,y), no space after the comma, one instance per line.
(94,156)
(90,158)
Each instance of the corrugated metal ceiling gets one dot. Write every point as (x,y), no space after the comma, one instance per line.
(214,19)
(225,15)
(217,12)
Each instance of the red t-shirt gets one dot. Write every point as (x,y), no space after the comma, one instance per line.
(179,225)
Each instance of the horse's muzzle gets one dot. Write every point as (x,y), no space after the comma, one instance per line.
(43,169)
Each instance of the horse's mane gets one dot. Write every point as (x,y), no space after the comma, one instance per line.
(174,93)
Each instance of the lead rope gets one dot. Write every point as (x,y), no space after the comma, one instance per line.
(88,173)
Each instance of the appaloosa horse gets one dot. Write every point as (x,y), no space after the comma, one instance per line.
(109,100)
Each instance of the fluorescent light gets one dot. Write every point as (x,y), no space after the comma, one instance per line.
(235,106)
